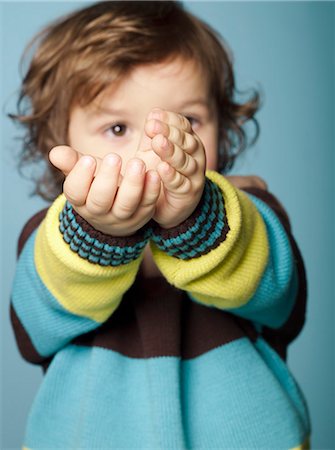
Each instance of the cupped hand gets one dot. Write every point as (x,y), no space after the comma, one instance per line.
(113,204)
(182,167)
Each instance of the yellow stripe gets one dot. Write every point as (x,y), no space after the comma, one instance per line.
(229,275)
(85,289)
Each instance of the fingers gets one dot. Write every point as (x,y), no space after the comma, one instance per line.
(77,183)
(173,180)
(104,186)
(64,158)
(180,136)
(174,155)
(138,192)
(171,118)
(130,192)
(151,191)
(173,126)
(174,142)
(132,196)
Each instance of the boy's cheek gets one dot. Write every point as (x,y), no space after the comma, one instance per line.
(211,159)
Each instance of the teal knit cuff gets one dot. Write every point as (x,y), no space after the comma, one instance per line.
(202,232)
(97,247)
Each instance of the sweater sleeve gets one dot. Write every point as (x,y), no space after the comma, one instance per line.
(70,278)
(233,253)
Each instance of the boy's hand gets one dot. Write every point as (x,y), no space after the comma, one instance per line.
(182,167)
(247,181)
(113,204)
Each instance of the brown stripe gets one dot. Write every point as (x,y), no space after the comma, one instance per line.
(155,319)
(24,343)
(280,339)
(107,239)
(29,227)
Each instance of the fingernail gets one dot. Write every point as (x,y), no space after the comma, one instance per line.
(157,126)
(112,159)
(164,143)
(87,161)
(154,177)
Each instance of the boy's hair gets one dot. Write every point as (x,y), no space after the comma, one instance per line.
(79,56)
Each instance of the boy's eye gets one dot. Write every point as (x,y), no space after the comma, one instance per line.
(193,121)
(118,129)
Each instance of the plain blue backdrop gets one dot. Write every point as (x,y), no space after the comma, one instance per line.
(287,49)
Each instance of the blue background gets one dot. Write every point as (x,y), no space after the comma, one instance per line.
(287,49)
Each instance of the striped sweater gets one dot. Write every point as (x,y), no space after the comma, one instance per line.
(194,359)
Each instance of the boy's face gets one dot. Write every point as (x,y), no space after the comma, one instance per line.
(116,122)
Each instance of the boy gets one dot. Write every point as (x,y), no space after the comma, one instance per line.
(158,297)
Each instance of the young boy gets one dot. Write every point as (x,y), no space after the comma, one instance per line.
(159,298)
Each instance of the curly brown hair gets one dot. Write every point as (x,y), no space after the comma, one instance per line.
(80,55)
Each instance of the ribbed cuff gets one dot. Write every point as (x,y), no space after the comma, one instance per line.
(97,247)
(202,232)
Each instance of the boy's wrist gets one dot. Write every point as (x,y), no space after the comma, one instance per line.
(98,247)
(203,231)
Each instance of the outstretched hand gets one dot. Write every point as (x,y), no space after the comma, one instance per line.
(114,204)
(182,167)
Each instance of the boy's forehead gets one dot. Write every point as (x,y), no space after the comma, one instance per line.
(173,67)
(178,82)
(187,72)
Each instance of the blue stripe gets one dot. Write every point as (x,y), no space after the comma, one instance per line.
(274,299)
(288,384)
(48,324)
(230,397)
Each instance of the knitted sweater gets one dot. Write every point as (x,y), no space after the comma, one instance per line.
(194,359)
